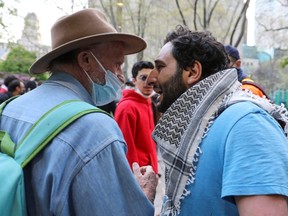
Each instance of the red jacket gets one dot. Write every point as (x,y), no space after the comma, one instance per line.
(134,116)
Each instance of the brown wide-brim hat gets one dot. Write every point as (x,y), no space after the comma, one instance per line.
(80,29)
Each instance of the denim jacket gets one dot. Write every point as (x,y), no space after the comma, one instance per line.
(84,170)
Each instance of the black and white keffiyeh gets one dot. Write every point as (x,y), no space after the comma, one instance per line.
(182,127)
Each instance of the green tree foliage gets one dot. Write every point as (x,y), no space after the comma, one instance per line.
(284,62)
(18,60)
(6,13)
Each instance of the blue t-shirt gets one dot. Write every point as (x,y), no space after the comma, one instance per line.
(244,153)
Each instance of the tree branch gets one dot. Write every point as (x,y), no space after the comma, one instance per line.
(284,4)
(211,12)
(241,32)
(180,12)
(243,13)
(129,11)
(204,14)
(195,14)
(272,29)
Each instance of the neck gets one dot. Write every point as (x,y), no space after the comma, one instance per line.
(78,73)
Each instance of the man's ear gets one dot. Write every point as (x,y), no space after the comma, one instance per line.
(238,63)
(83,60)
(18,89)
(193,74)
(133,80)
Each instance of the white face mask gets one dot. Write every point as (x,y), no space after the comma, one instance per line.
(110,91)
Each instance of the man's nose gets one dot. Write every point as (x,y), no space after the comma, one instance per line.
(152,78)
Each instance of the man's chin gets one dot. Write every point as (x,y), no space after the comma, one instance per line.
(164,104)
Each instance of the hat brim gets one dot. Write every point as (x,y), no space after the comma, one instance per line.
(132,44)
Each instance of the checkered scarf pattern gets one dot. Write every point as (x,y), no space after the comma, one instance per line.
(181,129)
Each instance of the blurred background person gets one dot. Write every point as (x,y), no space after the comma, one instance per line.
(7,80)
(134,116)
(15,87)
(30,85)
(247,82)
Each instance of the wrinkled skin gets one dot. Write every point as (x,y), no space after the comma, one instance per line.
(147,179)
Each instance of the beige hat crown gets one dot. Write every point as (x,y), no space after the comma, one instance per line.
(83,28)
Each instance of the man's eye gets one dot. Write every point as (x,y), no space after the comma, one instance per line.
(159,67)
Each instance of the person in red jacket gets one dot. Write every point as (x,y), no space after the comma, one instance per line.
(134,116)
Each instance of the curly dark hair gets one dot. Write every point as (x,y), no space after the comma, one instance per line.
(189,46)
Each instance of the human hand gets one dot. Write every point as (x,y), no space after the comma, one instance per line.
(147,179)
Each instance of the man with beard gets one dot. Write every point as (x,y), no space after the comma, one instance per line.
(224,151)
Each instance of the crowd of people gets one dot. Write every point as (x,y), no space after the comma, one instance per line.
(224,145)
(14,86)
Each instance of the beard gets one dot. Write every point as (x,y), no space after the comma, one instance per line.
(172,90)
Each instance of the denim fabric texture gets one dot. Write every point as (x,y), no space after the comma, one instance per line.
(84,170)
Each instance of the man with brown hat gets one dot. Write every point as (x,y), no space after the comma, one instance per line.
(83,171)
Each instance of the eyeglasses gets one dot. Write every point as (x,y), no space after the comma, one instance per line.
(143,77)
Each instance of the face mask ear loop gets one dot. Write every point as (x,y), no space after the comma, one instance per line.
(88,76)
(103,69)
(91,81)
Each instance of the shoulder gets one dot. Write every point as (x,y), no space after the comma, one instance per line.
(248,118)
(97,121)
(91,134)
(239,110)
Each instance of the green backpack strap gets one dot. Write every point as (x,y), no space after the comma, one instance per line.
(7,146)
(3,104)
(48,126)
